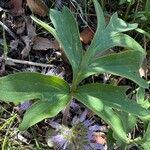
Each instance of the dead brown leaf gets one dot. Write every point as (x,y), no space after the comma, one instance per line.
(100,138)
(32,41)
(31,31)
(86,35)
(41,43)
(38,7)
(19,25)
(28,39)
(16,7)
(14,44)
(27,47)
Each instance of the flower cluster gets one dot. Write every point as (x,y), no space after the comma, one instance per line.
(80,136)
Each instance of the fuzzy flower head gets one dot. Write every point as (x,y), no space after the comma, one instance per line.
(80,136)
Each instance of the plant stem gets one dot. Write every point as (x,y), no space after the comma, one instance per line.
(66,114)
(74,85)
(135,141)
(128,10)
(136,9)
(73,88)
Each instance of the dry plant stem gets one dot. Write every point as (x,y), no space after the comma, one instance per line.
(5,47)
(8,61)
(2,69)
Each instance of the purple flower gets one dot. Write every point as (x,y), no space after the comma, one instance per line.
(24,106)
(81,135)
(60,141)
(74,105)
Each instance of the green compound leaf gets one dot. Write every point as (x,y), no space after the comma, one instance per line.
(103,99)
(106,113)
(124,64)
(68,34)
(96,96)
(111,36)
(20,87)
(42,110)
(96,59)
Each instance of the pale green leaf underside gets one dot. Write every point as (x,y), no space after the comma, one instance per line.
(124,64)
(42,110)
(26,86)
(68,34)
(96,96)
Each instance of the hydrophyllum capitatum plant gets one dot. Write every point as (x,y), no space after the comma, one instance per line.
(52,94)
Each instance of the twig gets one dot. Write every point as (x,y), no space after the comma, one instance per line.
(8,30)
(8,61)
